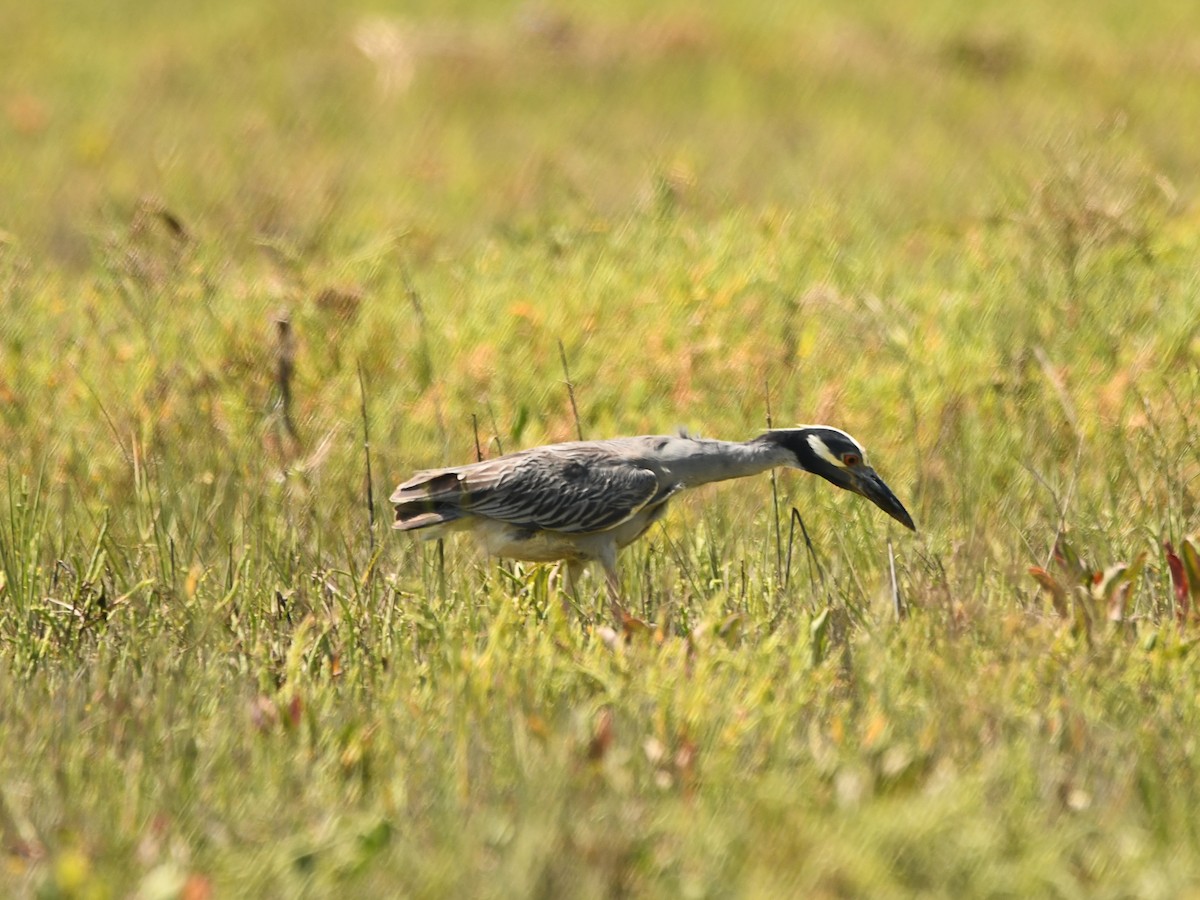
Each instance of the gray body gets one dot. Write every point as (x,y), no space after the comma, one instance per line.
(584,500)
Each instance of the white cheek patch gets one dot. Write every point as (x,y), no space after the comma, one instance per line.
(820,448)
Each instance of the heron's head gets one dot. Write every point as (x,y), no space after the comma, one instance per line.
(840,459)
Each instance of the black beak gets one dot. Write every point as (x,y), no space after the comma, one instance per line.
(863,480)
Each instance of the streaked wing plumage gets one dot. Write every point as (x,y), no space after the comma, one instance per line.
(569,488)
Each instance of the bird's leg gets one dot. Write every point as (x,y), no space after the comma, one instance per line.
(567,577)
(612,579)
(613,582)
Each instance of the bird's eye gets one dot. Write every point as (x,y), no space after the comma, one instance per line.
(850,460)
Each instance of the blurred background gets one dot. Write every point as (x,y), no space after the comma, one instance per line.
(323,126)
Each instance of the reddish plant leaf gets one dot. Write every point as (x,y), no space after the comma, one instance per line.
(1058,594)
(602,736)
(197,887)
(295,711)
(632,626)
(1179,581)
(1191,565)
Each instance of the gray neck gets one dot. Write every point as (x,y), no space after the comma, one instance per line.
(692,462)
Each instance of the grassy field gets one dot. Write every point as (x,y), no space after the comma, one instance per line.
(967,233)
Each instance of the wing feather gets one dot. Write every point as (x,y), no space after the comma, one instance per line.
(570,488)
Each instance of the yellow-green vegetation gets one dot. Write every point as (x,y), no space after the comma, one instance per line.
(966,233)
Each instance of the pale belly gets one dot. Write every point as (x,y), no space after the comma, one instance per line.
(502,540)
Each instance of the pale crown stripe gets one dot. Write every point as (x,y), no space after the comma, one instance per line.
(822,450)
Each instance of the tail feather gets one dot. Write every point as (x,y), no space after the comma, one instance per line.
(412,518)
(437,483)
(427,500)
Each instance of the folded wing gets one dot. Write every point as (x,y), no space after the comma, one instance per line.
(570,488)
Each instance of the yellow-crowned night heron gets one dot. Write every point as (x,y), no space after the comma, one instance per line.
(583,501)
